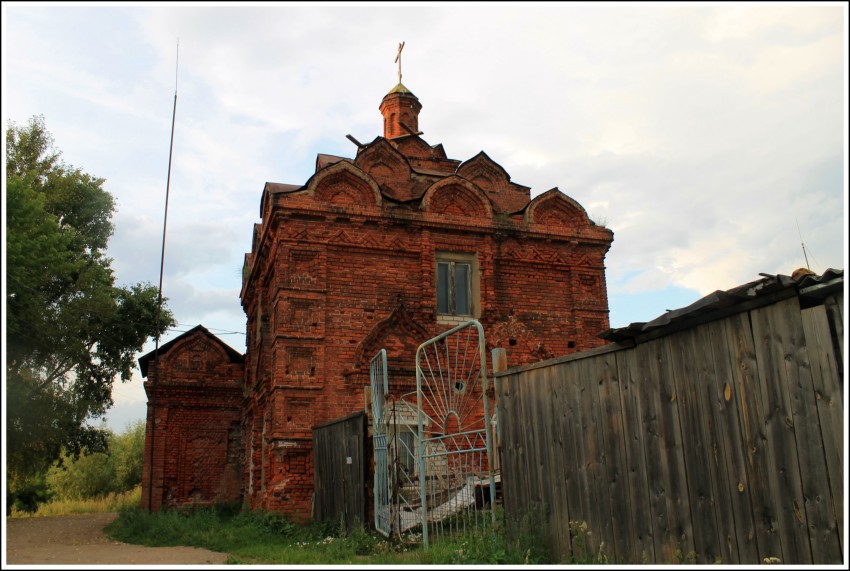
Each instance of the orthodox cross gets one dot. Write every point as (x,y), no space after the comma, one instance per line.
(398,60)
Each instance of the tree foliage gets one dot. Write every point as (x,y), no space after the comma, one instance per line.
(128,451)
(94,475)
(70,331)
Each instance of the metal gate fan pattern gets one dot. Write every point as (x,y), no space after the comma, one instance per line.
(455,473)
(433,446)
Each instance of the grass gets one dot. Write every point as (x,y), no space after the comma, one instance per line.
(254,537)
(257,538)
(108,503)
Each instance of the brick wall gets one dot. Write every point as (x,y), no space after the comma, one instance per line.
(194,423)
(346,264)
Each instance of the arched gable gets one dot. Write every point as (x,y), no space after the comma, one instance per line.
(485,173)
(343,184)
(196,353)
(555,209)
(456,196)
(399,334)
(414,146)
(197,358)
(387,166)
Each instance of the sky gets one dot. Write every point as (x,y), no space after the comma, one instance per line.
(711,138)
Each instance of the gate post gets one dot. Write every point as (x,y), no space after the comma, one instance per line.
(499,359)
(499,362)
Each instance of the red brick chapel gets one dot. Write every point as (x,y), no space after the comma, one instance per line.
(385,250)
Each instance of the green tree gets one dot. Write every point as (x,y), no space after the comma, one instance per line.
(86,477)
(128,449)
(94,475)
(70,331)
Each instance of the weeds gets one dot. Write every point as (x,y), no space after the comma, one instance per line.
(580,542)
(256,537)
(690,557)
(108,503)
(528,535)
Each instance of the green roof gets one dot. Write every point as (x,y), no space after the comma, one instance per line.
(400,89)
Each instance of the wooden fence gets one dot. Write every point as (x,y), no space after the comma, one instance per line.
(341,459)
(720,442)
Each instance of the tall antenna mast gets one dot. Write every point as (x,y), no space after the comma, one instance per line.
(165,218)
(159,291)
(802,244)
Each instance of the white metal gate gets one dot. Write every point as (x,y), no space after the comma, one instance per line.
(433,447)
(396,447)
(378,384)
(455,469)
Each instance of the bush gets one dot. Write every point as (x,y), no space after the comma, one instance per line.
(27,495)
(87,477)
(127,450)
(98,474)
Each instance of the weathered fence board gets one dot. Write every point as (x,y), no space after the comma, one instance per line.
(722,442)
(558,528)
(599,517)
(681,538)
(682,354)
(634,433)
(765,508)
(531,442)
(664,464)
(783,465)
(579,492)
(828,397)
(834,306)
(580,495)
(611,421)
(816,493)
(558,450)
(509,446)
(741,537)
(709,399)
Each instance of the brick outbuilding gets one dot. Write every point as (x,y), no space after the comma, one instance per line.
(194,422)
(386,250)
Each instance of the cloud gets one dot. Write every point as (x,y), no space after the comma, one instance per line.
(130,392)
(788,23)
(701,134)
(190,303)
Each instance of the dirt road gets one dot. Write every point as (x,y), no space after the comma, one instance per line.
(79,540)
